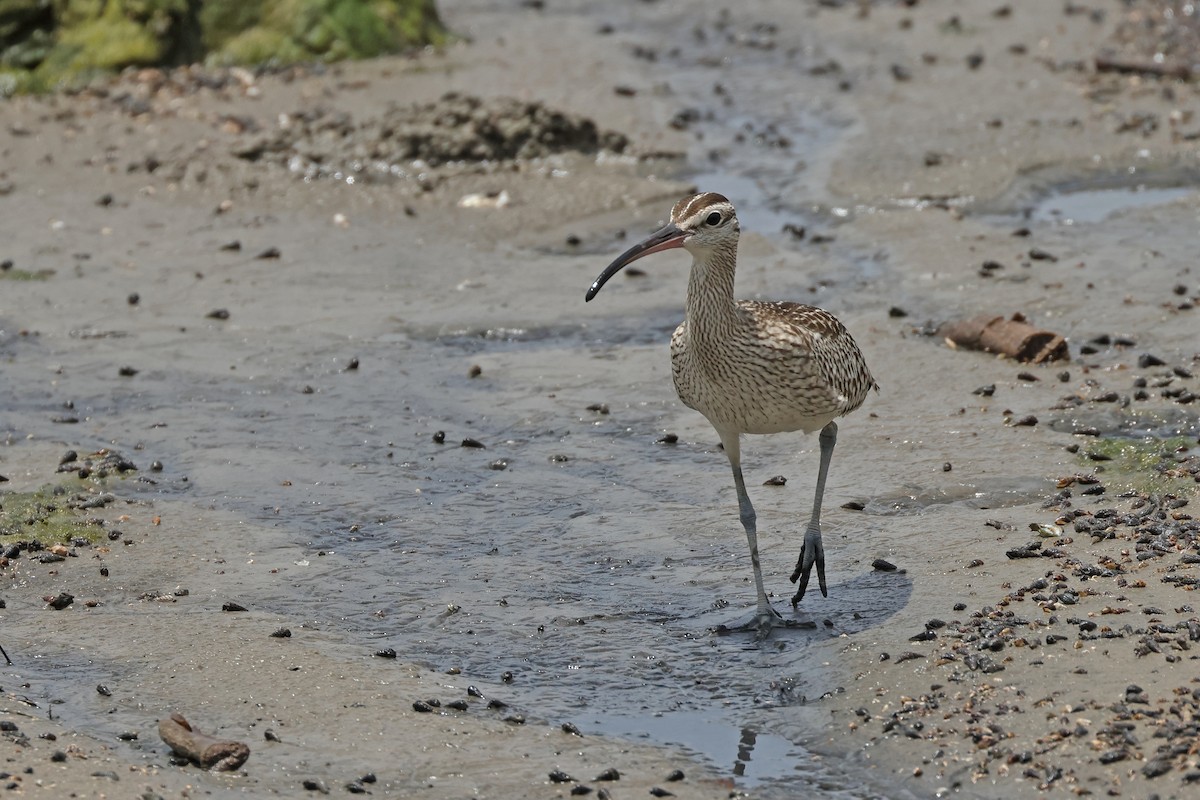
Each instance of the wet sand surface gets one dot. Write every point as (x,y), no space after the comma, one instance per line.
(310,393)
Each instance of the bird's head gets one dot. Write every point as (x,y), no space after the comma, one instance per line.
(703,223)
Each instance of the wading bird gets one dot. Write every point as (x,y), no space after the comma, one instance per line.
(754,367)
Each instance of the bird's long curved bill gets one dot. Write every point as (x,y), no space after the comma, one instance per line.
(663,239)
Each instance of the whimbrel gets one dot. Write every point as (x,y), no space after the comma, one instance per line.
(754,367)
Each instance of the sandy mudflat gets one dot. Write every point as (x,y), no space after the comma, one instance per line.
(914,145)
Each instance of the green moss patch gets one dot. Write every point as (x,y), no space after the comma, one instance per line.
(1153,466)
(67,42)
(50,515)
(13,274)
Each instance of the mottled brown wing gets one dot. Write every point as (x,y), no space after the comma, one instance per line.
(826,342)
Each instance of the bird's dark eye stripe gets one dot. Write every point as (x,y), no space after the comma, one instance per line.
(714,218)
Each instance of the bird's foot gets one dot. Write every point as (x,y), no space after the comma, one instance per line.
(761,623)
(811,552)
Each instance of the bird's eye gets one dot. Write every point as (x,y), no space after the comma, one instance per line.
(714,218)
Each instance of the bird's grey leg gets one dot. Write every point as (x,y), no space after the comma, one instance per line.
(812,552)
(766,615)
(749,522)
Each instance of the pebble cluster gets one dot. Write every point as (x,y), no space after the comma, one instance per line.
(1093,556)
(455,128)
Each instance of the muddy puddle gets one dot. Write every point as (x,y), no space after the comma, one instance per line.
(1090,193)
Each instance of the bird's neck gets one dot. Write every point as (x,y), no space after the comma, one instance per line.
(710,303)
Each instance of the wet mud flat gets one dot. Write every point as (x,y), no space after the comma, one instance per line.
(258,289)
(80,713)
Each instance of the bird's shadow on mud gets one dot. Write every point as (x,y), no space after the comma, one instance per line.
(865,601)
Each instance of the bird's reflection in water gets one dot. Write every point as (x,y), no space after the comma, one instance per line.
(745,748)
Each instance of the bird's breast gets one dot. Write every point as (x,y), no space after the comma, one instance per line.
(765,375)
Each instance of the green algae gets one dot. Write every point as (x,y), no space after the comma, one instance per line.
(15,274)
(1150,465)
(47,44)
(49,515)
(290,31)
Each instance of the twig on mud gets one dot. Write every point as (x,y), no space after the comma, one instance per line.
(221,755)
(1129,66)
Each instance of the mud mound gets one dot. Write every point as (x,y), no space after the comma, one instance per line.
(1157,37)
(455,129)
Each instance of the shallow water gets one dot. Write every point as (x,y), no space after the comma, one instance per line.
(1084,194)
(1075,206)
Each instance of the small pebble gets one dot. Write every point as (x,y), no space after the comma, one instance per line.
(1148,360)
